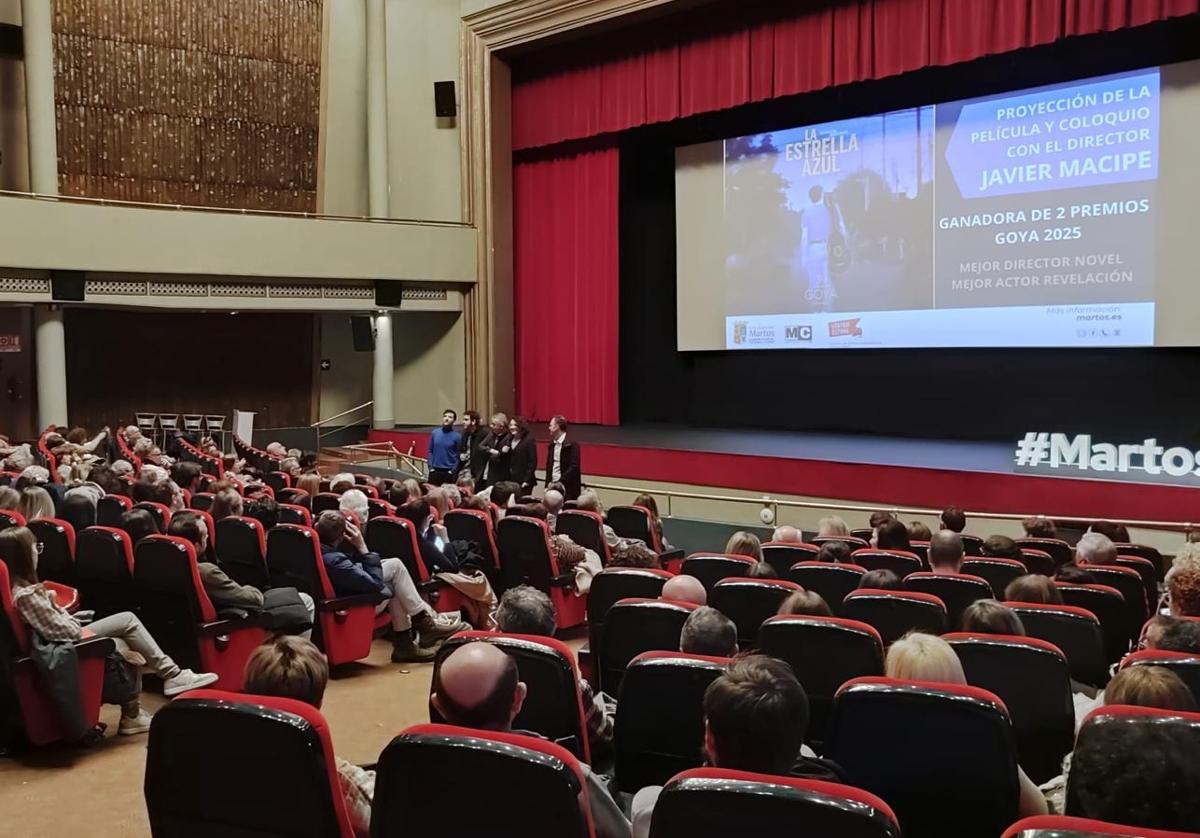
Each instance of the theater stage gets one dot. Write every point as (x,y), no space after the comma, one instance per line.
(873,469)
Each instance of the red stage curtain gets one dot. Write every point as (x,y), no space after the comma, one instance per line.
(698,67)
(565,294)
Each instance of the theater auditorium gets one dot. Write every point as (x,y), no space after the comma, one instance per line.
(599,418)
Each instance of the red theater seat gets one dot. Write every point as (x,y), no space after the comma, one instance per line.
(278,480)
(1060,551)
(955,590)
(1075,631)
(634,626)
(972,544)
(720,801)
(161,513)
(397,538)
(660,716)
(1060,826)
(377,508)
(900,562)
(56,555)
(851,541)
(344,625)
(942,755)
(553,705)
(998,572)
(526,786)
(11,518)
(824,652)
(179,615)
(748,602)
(1143,552)
(324,501)
(1033,680)
(202,501)
(586,529)
(1129,583)
(1038,561)
(895,613)
(526,559)
(711,568)
(104,569)
(832,581)
(1149,574)
(613,584)
(110,508)
(635,522)
(781,555)
(1183,664)
(222,763)
(1109,607)
(243,551)
(474,525)
(295,515)
(299,497)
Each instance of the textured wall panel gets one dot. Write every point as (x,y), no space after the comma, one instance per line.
(212,103)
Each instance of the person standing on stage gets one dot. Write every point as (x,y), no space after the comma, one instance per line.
(494,450)
(469,459)
(562,460)
(523,460)
(444,443)
(816,231)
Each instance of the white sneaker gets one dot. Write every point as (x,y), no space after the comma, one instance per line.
(187,680)
(135,725)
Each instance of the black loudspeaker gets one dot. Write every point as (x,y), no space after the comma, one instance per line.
(363,332)
(67,286)
(444,101)
(389,293)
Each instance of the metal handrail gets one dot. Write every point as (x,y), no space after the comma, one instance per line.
(417,465)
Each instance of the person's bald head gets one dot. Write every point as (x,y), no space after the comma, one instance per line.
(554,501)
(786,534)
(477,686)
(946,551)
(686,589)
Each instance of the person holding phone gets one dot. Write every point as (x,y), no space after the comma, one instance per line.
(437,552)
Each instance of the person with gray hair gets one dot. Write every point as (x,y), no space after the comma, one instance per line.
(354,503)
(708,632)
(1095,548)
(589,501)
(786,535)
(945,552)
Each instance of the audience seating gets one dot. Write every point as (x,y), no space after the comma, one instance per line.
(920,549)
(941,755)
(1129,583)
(660,716)
(324,501)
(781,555)
(1061,826)
(634,626)
(56,556)
(895,613)
(222,763)
(635,522)
(110,508)
(832,581)
(243,551)
(748,602)
(397,538)
(1141,551)
(972,544)
(956,591)
(1109,607)
(202,501)
(824,652)
(377,508)
(711,568)
(344,625)
(900,562)
(853,542)
(298,497)
(295,515)
(1075,631)
(35,701)
(586,529)
(178,613)
(998,572)
(1184,664)
(104,570)
(719,801)
(1033,680)
(11,518)
(278,480)
(613,584)
(526,559)
(1060,551)
(474,525)
(162,514)
(553,705)
(523,786)
(1149,574)
(1037,561)
(1150,726)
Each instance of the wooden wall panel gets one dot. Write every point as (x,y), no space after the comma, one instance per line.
(122,362)
(212,103)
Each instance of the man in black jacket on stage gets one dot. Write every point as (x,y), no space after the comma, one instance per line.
(562,459)
(473,433)
(494,452)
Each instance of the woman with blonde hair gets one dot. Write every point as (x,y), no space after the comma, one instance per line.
(743,543)
(648,503)
(832,526)
(311,483)
(923,657)
(35,502)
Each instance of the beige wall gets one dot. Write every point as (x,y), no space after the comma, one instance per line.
(342,156)
(430,366)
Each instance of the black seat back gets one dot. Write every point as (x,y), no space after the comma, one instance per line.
(634,626)
(972,544)
(711,568)
(1129,583)
(1075,631)
(617,583)
(631,522)
(895,613)
(1059,550)
(292,556)
(1109,607)
(584,528)
(832,581)
(463,525)
(781,555)
(998,572)
(56,553)
(110,508)
(1183,664)
(104,569)
(243,551)
(899,562)
(169,590)
(748,602)
(396,538)
(957,591)
(525,557)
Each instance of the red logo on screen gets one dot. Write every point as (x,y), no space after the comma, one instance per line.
(842,328)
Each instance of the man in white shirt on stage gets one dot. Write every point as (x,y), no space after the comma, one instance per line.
(562,460)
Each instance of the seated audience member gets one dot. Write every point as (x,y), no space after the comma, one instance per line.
(1186,557)
(147,490)
(1094,548)
(353,569)
(1033,587)
(481,504)
(478,686)
(526,610)
(945,552)
(633,554)
(918,531)
(1039,526)
(987,616)
(1001,547)
(41,612)
(291,467)
(341,482)
(787,535)
(891,535)
(589,501)
(223,591)
(529,510)
(453,496)
(353,504)
(881,579)
(35,503)
(276,450)
(707,631)
(437,552)
(756,716)
(835,551)
(10,498)
(505,494)
(292,667)
(743,543)
(439,500)
(832,526)
(1138,686)
(1112,531)
(79,511)
(1074,574)
(1184,591)
(1153,629)
(32,476)
(187,476)
(685,588)
(311,483)
(808,603)
(648,503)
(923,657)
(226,504)
(762,570)
(954,519)
(139,523)
(878,518)
(1181,636)
(265,510)
(553,500)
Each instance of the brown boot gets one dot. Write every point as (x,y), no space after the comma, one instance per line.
(406,650)
(433,631)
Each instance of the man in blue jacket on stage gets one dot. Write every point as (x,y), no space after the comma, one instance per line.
(444,443)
